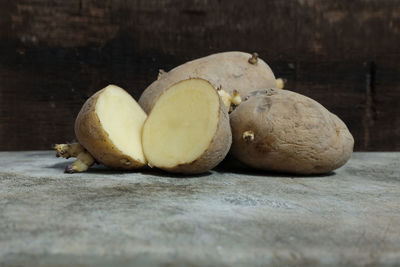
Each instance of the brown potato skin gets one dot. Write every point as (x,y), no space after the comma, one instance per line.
(216,151)
(228,71)
(93,138)
(292,133)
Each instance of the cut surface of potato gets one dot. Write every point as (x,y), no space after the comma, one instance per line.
(109,126)
(183,131)
(122,118)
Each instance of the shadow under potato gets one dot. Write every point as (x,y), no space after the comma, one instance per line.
(229,165)
(101,169)
(232,165)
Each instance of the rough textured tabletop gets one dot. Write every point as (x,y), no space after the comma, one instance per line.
(229,216)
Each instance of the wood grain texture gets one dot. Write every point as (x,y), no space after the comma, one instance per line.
(54,54)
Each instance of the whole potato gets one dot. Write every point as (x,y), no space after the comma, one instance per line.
(280,130)
(233,72)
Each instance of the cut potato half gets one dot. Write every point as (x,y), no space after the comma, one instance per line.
(109,126)
(188,129)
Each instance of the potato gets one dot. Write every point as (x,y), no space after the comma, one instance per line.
(188,130)
(109,126)
(280,130)
(227,71)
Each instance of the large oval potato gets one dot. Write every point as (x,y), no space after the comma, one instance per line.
(109,126)
(228,71)
(280,130)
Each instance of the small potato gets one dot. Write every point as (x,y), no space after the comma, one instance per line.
(232,73)
(280,130)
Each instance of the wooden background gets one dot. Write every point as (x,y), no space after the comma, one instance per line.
(55,53)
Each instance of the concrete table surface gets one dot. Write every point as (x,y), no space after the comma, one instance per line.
(229,216)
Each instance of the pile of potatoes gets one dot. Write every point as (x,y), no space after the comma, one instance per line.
(191,117)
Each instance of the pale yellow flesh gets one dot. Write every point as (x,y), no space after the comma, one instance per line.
(122,118)
(182,124)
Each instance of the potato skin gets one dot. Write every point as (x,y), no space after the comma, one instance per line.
(292,133)
(228,71)
(216,151)
(93,138)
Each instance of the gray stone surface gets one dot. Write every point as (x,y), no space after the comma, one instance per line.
(230,216)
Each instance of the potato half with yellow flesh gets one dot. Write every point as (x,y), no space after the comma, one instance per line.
(188,129)
(109,126)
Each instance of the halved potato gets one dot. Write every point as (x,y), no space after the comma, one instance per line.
(109,126)
(188,128)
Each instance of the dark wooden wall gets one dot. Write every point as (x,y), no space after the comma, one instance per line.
(55,53)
